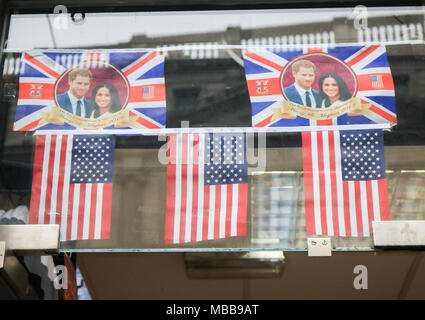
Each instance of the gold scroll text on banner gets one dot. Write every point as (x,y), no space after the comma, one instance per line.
(290,110)
(59,116)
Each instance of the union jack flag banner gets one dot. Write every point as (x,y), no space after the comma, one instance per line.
(72,184)
(90,90)
(345,185)
(207,187)
(343,85)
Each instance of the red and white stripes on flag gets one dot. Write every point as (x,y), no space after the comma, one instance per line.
(339,200)
(196,211)
(83,210)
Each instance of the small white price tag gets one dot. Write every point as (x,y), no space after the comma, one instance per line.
(319,247)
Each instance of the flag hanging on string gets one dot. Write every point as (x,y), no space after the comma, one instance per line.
(345,185)
(207,187)
(72,184)
(342,85)
(63,90)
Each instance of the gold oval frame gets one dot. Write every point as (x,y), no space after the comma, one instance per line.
(303,56)
(84,64)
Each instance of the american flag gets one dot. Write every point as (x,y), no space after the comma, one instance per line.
(377,81)
(148,92)
(72,184)
(207,187)
(345,183)
(41,70)
(363,61)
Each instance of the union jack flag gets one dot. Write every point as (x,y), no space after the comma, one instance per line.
(366,62)
(41,71)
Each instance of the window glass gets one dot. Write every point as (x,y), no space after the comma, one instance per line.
(206,86)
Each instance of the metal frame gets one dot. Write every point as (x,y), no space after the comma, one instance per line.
(399,233)
(31,237)
(227,265)
(4,27)
(46,6)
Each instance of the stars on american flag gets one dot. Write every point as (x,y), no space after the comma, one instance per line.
(92,160)
(362,155)
(225,159)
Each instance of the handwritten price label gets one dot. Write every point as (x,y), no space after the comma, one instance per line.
(319,247)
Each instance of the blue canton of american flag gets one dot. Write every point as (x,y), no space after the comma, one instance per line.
(92,160)
(72,185)
(368,63)
(362,155)
(207,187)
(225,159)
(41,71)
(345,183)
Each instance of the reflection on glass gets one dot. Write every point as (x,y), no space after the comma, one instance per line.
(215,28)
(274,209)
(206,85)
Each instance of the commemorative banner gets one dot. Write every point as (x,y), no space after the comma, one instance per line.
(91,90)
(343,85)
